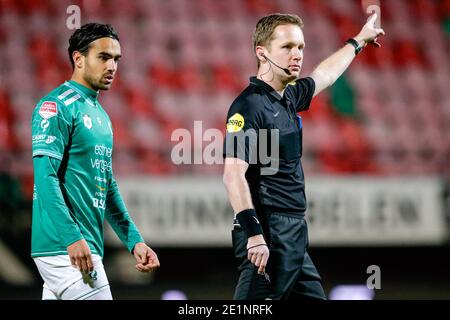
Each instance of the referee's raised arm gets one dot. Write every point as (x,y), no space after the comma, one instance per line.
(330,69)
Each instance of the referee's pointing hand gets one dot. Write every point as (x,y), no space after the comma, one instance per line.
(369,33)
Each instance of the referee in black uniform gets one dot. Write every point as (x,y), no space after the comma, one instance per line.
(270,235)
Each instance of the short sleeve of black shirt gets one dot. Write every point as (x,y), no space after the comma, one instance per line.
(244,120)
(300,93)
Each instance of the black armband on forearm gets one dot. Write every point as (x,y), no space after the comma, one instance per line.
(249,222)
(355,44)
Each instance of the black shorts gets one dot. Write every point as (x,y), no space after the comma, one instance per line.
(290,272)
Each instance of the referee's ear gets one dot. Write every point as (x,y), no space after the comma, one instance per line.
(260,55)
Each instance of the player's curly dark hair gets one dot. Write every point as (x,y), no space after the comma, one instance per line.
(83,37)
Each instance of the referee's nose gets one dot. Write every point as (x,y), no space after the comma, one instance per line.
(297,55)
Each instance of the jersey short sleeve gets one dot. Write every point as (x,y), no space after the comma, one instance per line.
(242,128)
(301,92)
(50,128)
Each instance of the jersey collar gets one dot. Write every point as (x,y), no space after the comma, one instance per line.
(83,90)
(257,82)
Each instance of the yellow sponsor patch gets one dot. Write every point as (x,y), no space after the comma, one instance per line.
(235,123)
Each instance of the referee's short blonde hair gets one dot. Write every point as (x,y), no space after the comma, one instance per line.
(266,25)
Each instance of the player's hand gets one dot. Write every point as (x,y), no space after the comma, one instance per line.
(369,32)
(146,258)
(80,256)
(258,252)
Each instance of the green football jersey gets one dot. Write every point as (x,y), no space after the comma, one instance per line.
(70,125)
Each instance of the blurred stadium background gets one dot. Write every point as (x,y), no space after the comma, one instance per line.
(376,145)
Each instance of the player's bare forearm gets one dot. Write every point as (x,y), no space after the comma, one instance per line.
(236,184)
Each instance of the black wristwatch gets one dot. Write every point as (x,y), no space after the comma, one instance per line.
(355,44)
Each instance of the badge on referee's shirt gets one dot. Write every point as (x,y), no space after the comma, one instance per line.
(235,123)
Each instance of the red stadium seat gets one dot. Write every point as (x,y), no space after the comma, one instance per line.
(187,60)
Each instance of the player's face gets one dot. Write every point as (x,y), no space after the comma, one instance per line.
(100,63)
(286,49)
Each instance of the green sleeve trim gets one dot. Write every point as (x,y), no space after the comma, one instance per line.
(47,153)
(56,253)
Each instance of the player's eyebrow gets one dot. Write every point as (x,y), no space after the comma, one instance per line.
(108,55)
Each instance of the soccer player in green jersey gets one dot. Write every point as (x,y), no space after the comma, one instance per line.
(75,189)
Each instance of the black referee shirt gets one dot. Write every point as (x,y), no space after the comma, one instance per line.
(259,107)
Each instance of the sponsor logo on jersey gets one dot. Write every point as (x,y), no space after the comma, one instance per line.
(100,179)
(235,123)
(50,139)
(102,150)
(100,188)
(44,124)
(38,138)
(101,165)
(87,121)
(48,109)
(100,195)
